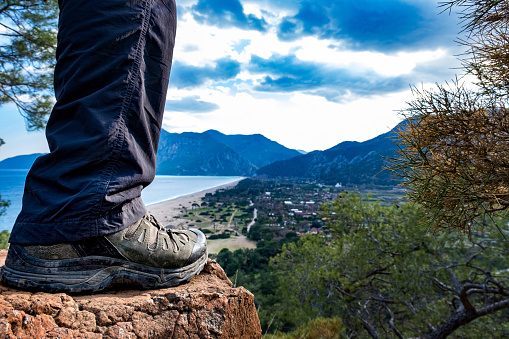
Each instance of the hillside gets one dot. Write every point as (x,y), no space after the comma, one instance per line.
(214,153)
(256,148)
(198,154)
(350,162)
(19,161)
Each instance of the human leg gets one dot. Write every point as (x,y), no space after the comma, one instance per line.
(113,64)
(82,201)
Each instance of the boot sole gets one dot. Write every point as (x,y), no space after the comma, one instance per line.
(89,274)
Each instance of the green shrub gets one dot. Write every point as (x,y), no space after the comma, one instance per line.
(319,328)
(4,239)
(219,236)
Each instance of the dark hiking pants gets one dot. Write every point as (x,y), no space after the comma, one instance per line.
(111,78)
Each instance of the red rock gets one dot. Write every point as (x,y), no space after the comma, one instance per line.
(207,307)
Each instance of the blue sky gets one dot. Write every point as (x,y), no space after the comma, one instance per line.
(307,74)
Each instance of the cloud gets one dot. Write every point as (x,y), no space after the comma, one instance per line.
(289,74)
(227,13)
(387,25)
(240,45)
(312,19)
(190,104)
(186,76)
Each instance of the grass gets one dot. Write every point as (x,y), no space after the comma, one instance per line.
(204,218)
(233,243)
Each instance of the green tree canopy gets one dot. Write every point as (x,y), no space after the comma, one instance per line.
(28,30)
(387,277)
(454,152)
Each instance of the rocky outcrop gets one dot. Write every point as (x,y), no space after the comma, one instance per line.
(207,307)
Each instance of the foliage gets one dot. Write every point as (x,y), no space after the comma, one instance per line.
(385,276)
(250,268)
(27,54)
(453,153)
(4,239)
(219,236)
(319,328)
(3,206)
(258,232)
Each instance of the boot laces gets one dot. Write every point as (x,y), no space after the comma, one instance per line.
(176,238)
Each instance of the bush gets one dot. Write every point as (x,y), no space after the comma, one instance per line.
(291,235)
(219,236)
(319,328)
(4,239)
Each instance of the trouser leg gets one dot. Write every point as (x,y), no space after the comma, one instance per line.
(113,64)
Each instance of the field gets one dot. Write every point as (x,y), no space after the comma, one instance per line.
(224,225)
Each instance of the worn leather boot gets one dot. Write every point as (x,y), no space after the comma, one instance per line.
(144,255)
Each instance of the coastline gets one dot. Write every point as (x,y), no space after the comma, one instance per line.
(168,211)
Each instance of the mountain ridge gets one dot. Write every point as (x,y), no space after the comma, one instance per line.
(349,162)
(214,153)
(19,162)
(256,148)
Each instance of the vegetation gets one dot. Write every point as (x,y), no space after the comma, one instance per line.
(4,239)
(386,277)
(250,268)
(374,266)
(453,153)
(319,328)
(223,235)
(27,57)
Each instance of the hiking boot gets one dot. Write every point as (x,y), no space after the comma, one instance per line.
(144,255)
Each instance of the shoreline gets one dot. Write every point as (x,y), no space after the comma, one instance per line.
(167,212)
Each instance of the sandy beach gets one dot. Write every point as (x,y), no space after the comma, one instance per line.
(167,212)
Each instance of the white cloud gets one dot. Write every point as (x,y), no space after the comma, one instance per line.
(297,121)
(329,52)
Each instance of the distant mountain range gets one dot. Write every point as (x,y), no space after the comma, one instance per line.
(21,162)
(349,162)
(215,153)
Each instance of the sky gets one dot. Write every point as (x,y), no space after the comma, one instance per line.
(307,74)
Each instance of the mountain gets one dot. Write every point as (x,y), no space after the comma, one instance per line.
(198,154)
(208,153)
(349,162)
(19,162)
(256,148)
(215,153)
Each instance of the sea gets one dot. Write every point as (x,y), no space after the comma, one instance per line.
(164,187)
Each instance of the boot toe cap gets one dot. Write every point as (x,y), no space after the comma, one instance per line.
(200,247)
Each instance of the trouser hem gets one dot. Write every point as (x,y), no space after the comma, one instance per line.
(42,233)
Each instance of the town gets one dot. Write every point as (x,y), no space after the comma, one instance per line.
(260,209)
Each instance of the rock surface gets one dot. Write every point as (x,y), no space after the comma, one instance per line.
(207,307)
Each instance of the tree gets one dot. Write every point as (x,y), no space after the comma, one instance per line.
(387,277)
(27,57)
(453,151)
